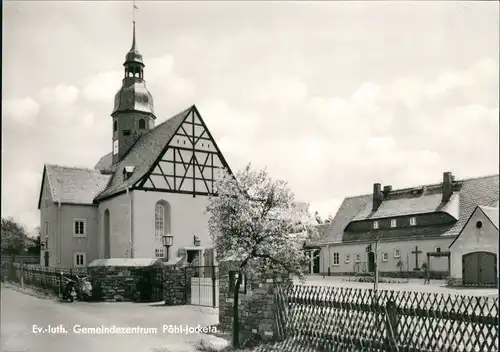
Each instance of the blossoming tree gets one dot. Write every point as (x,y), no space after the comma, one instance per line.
(253,219)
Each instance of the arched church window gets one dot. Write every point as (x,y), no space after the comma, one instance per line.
(115,126)
(142,124)
(162,218)
(159,220)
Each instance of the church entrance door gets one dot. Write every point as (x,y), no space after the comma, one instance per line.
(371,262)
(46,258)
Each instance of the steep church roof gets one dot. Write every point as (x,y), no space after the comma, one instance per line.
(142,155)
(473,192)
(72,185)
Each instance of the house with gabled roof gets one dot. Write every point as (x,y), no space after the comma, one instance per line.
(409,224)
(474,252)
(155,181)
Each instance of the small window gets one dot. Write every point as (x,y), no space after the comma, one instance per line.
(413,221)
(438,249)
(394,223)
(347,258)
(46,192)
(397,254)
(177,140)
(375,225)
(126,132)
(479,224)
(357,258)
(159,253)
(79,229)
(79,259)
(184,141)
(336,259)
(115,126)
(46,229)
(142,124)
(385,257)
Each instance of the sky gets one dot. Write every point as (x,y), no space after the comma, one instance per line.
(330,96)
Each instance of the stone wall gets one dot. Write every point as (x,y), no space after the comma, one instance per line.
(118,284)
(256,307)
(174,285)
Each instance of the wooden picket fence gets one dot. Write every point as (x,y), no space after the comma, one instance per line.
(37,275)
(353,320)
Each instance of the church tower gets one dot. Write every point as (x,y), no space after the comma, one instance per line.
(133,114)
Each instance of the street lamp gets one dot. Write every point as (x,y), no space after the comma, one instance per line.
(167,240)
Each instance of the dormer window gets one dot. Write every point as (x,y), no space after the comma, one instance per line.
(394,223)
(375,224)
(413,221)
(127,172)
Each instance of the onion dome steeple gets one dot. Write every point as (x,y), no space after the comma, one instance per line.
(133,95)
(133,113)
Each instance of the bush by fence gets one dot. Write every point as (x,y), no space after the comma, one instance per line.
(346,319)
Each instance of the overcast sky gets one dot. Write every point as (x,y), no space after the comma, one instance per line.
(331,96)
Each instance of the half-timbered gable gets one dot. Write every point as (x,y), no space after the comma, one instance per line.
(190,162)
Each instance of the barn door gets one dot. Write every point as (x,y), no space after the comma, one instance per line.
(479,269)
(487,269)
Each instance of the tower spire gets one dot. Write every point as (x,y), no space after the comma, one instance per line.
(134,44)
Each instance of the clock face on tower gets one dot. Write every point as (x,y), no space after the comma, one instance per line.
(115,147)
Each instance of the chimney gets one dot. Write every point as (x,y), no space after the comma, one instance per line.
(377,196)
(387,190)
(447,186)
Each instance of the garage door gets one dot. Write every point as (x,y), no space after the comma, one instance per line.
(479,269)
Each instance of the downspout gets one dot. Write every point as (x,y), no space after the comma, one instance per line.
(129,193)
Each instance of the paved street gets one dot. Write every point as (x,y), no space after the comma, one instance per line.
(20,312)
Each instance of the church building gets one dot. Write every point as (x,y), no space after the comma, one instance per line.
(401,230)
(155,181)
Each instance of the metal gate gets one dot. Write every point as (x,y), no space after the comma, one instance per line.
(202,285)
(150,284)
(479,269)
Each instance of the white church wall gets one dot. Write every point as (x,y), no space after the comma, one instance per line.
(187,219)
(71,244)
(473,239)
(119,210)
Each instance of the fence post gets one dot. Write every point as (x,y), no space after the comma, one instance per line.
(391,326)
(22,273)
(214,298)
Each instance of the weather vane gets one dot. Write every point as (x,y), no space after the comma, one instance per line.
(133,10)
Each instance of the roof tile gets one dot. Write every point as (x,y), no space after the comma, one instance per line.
(75,185)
